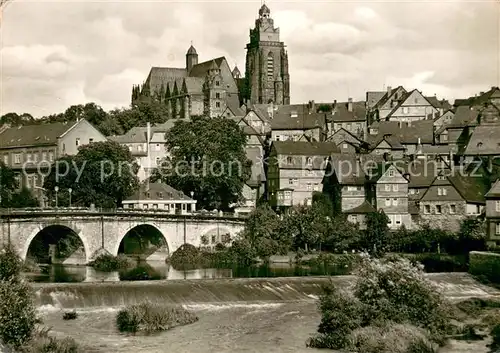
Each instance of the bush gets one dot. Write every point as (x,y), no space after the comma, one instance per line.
(150,318)
(392,338)
(434,262)
(10,264)
(486,265)
(390,295)
(17,309)
(109,263)
(70,315)
(142,272)
(187,254)
(495,335)
(52,345)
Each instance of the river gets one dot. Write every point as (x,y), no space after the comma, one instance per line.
(235,315)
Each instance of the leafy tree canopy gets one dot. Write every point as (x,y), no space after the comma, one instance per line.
(102,173)
(208,158)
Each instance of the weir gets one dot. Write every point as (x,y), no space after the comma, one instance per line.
(222,291)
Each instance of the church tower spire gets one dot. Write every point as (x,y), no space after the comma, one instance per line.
(266,63)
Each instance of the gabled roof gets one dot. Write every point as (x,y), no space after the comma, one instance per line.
(407,133)
(485,140)
(404,98)
(201,69)
(351,138)
(472,189)
(494,92)
(194,84)
(353,169)
(365,207)
(494,192)
(464,116)
(439,104)
(304,148)
(391,140)
(341,112)
(303,121)
(388,95)
(373,97)
(33,135)
(137,134)
(158,192)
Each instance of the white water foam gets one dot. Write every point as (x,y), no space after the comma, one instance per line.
(312,296)
(216,307)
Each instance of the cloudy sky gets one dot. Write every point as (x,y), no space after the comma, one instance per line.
(58,53)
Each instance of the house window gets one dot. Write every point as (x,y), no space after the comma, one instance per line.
(293,181)
(387,187)
(145,205)
(155,206)
(309,161)
(77,141)
(411,191)
(453,209)
(497,206)
(17,158)
(277,137)
(394,202)
(405,110)
(416,100)
(91,140)
(391,173)
(6,159)
(427,209)
(139,148)
(158,159)
(217,95)
(353,218)
(398,218)
(352,188)
(444,137)
(35,157)
(387,202)
(344,146)
(395,187)
(442,191)
(44,156)
(288,194)
(217,104)
(438,209)
(309,186)
(158,147)
(289,160)
(217,83)
(28,157)
(497,229)
(51,156)
(316,187)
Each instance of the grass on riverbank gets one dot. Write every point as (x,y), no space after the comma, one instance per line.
(150,317)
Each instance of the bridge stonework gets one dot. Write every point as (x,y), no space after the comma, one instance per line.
(104,233)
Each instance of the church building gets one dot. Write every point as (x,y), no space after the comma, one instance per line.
(266,77)
(212,89)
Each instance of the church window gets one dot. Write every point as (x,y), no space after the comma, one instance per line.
(270,66)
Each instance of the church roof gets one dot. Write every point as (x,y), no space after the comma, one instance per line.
(163,75)
(236,71)
(264,10)
(192,51)
(201,69)
(194,84)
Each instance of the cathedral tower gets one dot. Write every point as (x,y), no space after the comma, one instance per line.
(267,78)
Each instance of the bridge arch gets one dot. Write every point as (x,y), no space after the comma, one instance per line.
(54,227)
(144,226)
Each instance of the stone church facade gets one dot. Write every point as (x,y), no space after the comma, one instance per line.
(267,78)
(212,89)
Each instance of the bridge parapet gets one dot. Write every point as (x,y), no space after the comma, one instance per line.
(81,211)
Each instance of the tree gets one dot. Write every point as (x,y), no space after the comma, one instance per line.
(102,173)
(15,119)
(208,158)
(23,198)
(342,235)
(8,185)
(377,233)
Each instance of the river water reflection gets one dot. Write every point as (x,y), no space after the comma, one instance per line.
(162,271)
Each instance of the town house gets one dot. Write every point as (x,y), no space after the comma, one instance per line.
(293,123)
(451,198)
(413,106)
(30,150)
(295,170)
(493,214)
(350,116)
(347,142)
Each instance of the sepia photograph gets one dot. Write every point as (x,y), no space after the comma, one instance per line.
(279,176)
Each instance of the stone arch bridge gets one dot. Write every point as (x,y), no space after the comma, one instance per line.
(103,231)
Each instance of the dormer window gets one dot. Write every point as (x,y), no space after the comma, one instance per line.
(160,195)
(479,144)
(289,160)
(309,161)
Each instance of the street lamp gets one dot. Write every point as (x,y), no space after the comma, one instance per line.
(56,189)
(70,190)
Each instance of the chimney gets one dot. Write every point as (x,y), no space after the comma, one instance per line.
(349,104)
(389,89)
(419,141)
